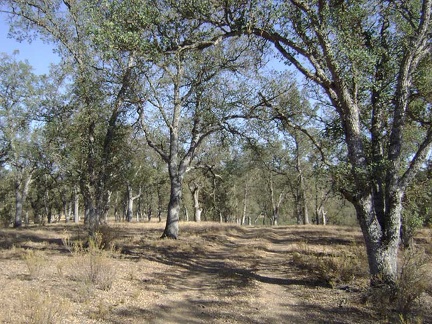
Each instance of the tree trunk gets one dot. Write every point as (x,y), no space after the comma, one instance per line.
(149,213)
(18,206)
(305,212)
(129,204)
(139,210)
(382,240)
(197,208)
(69,212)
(22,187)
(245,198)
(275,216)
(64,207)
(76,206)
(172,222)
(49,215)
(186,214)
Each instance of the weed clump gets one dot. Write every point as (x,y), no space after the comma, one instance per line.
(42,308)
(35,262)
(92,264)
(336,268)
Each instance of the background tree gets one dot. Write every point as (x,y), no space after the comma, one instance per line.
(19,98)
(100,89)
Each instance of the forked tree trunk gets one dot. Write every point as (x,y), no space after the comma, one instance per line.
(381,240)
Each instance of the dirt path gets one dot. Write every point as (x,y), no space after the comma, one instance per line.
(212,274)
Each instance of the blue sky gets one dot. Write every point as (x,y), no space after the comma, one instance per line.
(40,55)
(37,53)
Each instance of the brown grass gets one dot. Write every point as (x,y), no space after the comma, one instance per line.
(216,273)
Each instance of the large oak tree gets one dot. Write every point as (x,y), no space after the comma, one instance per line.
(363,57)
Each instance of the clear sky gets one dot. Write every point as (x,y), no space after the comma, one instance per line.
(37,53)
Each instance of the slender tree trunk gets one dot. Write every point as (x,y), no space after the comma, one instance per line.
(149,213)
(194,188)
(18,206)
(22,187)
(298,207)
(69,212)
(160,203)
(245,200)
(139,210)
(305,212)
(275,216)
(49,215)
(129,204)
(76,206)
(65,207)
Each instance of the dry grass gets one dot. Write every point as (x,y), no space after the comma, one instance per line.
(346,266)
(212,273)
(41,308)
(35,261)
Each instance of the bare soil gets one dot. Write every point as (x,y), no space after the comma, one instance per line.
(213,273)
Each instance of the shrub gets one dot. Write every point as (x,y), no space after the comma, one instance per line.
(105,237)
(93,265)
(413,280)
(411,223)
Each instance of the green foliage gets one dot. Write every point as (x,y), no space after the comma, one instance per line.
(124,26)
(7,199)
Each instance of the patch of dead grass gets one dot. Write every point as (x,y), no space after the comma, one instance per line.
(159,281)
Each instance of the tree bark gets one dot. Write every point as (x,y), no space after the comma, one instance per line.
(245,202)
(129,204)
(22,186)
(194,189)
(382,242)
(172,223)
(76,206)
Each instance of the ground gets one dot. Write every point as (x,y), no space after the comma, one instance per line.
(214,273)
